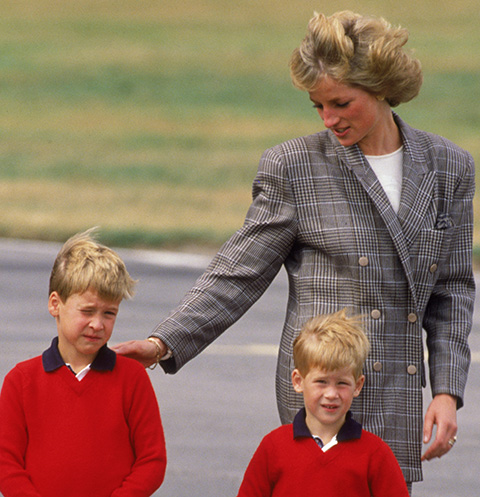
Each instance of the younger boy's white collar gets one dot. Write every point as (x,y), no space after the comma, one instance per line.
(350,430)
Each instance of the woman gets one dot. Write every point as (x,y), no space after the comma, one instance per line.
(369,214)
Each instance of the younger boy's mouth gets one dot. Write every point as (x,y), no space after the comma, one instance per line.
(330,407)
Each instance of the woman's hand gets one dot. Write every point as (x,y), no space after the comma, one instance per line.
(144,351)
(442,412)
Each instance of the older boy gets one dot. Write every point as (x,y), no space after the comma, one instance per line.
(80,421)
(325,452)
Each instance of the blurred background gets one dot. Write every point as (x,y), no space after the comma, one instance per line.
(148,117)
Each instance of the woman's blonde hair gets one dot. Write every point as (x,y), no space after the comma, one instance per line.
(359,51)
(331,342)
(83,264)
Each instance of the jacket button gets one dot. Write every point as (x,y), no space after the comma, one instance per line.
(411,369)
(375,314)
(363,261)
(412,317)
(433,268)
(377,366)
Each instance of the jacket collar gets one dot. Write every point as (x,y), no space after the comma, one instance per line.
(52,360)
(350,430)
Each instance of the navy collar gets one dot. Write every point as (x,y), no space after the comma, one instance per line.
(52,360)
(350,430)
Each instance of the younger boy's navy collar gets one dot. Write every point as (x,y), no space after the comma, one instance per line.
(350,430)
(52,360)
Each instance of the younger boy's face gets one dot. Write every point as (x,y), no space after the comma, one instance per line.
(84,323)
(328,396)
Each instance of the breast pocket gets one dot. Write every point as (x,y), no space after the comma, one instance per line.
(431,249)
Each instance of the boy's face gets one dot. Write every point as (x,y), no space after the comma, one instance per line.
(328,396)
(84,324)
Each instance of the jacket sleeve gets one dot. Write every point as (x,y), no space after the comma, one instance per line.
(449,313)
(14,479)
(240,272)
(147,439)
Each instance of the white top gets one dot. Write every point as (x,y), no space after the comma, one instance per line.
(325,447)
(389,170)
(81,375)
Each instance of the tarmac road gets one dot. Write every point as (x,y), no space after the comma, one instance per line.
(218,407)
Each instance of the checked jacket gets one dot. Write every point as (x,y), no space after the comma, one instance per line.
(319,210)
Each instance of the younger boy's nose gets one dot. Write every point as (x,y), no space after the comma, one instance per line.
(331,393)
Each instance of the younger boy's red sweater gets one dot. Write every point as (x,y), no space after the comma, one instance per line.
(289,463)
(99,437)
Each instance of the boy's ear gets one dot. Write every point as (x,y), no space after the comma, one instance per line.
(359,385)
(297,381)
(54,304)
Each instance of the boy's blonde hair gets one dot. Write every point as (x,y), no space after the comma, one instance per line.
(83,264)
(331,342)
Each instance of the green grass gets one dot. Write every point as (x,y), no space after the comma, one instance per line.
(148,118)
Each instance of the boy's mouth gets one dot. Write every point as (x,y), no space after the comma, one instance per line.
(330,407)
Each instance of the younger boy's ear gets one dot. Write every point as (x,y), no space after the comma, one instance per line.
(297,381)
(359,385)
(54,304)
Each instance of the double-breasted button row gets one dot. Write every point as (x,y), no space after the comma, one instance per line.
(411,369)
(376,314)
(363,261)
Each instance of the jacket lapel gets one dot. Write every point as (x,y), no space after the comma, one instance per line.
(416,197)
(417,187)
(356,162)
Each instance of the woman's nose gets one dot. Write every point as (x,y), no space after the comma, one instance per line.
(330,117)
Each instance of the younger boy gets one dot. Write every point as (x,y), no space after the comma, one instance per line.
(325,452)
(80,421)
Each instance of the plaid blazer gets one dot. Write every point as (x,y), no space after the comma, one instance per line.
(319,209)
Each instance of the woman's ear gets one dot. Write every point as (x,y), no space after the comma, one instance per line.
(297,381)
(54,304)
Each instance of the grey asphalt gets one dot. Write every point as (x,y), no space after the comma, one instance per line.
(217,408)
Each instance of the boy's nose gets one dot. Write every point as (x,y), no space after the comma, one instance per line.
(96,323)
(331,392)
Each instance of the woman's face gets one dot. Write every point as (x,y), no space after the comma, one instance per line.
(353,115)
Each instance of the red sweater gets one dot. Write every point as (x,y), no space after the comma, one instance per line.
(100,437)
(287,465)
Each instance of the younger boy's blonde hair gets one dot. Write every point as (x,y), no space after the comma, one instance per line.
(85,264)
(331,342)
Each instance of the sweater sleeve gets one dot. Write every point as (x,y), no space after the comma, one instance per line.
(14,479)
(256,481)
(384,475)
(147,439)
